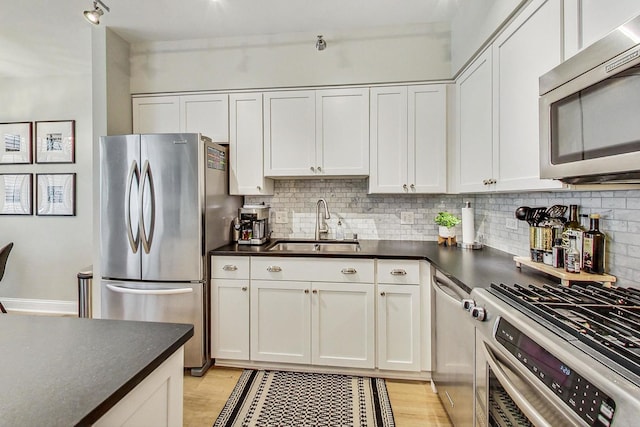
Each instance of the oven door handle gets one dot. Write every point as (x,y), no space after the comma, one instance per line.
(525,406)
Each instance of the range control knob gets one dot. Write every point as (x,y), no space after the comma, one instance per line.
(478,313)
(468,304)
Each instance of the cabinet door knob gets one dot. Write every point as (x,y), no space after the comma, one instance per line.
(348,271)
(259,188)
(230,267)
(306,291)
(274,269)
(413,186)
(404,187)
(319,169)
(312,169)
(244,289)
(398,272)
(315,291)
(382,294)
(485,182)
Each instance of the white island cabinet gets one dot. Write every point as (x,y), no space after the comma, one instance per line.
(328,321)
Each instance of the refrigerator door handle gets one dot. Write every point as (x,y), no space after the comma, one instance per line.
(146,174)
(124,290)
(134,172)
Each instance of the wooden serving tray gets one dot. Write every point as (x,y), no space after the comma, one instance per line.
(565,277)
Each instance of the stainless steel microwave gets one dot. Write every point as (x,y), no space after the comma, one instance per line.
(590,112)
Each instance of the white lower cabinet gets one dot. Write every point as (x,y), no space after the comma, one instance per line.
(230,319)
(398,319)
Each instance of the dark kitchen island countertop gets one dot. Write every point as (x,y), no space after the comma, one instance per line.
(468,268)
(65,371)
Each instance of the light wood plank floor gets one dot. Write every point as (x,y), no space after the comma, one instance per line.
(413,402)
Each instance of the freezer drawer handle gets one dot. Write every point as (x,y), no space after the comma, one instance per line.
(398,272)
(229,267)
(122,290)
(274,269)
(350,270)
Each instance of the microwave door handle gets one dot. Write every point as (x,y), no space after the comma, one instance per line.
(134,172)
(525,406)
(147,176)
(124,290)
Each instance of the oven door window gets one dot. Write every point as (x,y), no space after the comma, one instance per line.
(599,121)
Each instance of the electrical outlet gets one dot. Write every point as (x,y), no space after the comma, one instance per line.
(407,218)
(511,224)
(281,217)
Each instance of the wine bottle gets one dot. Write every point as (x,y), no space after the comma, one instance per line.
(593,247)
(573,228)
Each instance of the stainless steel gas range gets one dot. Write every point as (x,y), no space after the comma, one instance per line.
(553,355)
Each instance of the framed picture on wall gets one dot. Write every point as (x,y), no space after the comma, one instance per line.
(15,142)
(56,194)
(16,192)
(55,141)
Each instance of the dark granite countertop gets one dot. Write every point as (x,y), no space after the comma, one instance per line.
(468,268)
(64,371)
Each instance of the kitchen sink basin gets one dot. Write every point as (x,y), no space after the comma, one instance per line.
(322,246)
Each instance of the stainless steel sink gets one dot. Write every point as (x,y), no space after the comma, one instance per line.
(318,246)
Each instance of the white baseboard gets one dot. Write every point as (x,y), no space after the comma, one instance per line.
(40,306)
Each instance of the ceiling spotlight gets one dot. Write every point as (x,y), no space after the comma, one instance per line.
(94,15)
(320,43)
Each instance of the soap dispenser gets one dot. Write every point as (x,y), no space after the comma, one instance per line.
(339,231)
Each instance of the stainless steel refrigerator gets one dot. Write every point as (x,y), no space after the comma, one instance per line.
(164,204)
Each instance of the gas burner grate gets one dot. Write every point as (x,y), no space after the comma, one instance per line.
(606,319)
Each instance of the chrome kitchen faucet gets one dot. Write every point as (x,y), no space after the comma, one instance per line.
(321,227)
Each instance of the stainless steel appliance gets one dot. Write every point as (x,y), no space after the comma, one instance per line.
(589,127)
(453,350)
(554,355)
(253,225)
(164,205)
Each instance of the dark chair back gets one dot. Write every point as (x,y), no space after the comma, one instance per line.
(4,256)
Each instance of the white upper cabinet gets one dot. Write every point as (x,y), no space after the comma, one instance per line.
(246,176)
(290,133)
(342,131)
(587,21)
(156,114)
(528,48)
(497,104)
(474,125)
(408,139)
(316,133)
(206,114)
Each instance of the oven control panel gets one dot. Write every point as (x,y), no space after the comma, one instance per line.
(582,397)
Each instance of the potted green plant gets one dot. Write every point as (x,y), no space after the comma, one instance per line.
(446,222)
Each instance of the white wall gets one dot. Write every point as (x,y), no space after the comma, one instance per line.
(411,53)
(49,251)
(475,23)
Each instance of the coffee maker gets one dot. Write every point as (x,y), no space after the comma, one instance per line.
(253,225)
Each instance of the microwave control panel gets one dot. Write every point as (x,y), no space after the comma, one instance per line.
(582,397)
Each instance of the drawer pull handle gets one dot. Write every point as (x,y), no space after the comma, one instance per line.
(274,269)
(349,271)
(230,267)
(244,289)
(398,272)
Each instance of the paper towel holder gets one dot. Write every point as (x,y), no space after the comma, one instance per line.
(466,245)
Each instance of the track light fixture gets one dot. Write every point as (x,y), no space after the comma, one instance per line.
(94,15)
(320,43)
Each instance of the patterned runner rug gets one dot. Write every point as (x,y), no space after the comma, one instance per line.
(275,398)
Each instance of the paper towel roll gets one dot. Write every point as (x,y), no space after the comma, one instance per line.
(468,227)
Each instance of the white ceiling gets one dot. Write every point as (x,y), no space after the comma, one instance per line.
(52,34)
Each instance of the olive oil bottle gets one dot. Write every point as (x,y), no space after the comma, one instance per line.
(593,247)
